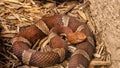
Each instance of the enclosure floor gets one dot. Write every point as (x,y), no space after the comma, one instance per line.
(106,14)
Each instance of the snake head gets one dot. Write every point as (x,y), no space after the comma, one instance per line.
(76,37)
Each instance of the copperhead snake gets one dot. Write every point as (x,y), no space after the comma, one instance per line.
(60,31)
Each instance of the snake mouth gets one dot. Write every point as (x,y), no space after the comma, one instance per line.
(76,37)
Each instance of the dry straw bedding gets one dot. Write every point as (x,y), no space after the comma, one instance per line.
(15,15)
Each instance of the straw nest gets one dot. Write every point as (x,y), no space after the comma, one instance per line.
(15,15)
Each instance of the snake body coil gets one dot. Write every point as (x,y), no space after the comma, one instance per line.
(76,32)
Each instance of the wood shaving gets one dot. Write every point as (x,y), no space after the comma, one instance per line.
(18,14)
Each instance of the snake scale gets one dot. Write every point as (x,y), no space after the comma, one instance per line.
(60,32)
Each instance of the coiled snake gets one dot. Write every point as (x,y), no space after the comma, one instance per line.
(55,33)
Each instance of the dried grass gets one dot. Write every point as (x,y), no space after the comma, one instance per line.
(15,15)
